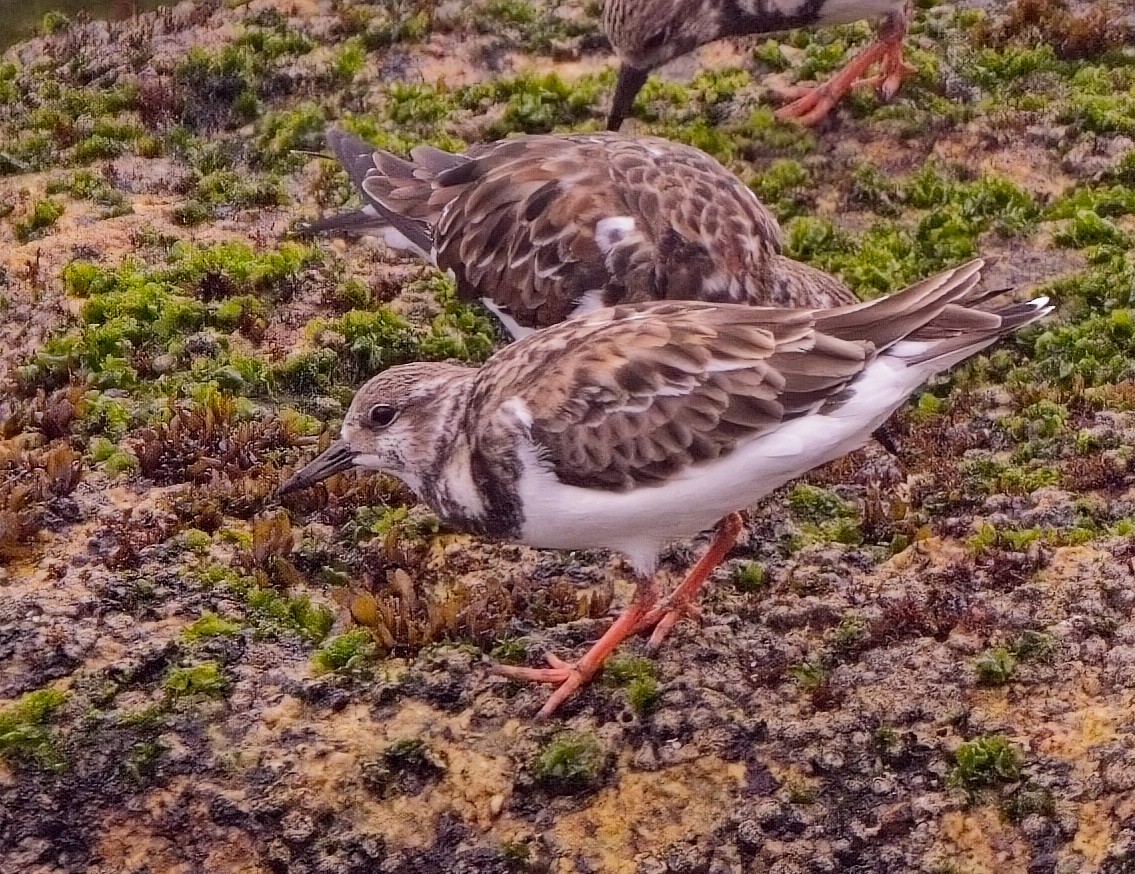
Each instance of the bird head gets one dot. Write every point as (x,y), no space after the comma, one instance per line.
(648,33)
(392,426)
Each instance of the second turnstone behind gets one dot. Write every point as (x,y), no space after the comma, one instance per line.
(648,33)
(633,426)
(545,228)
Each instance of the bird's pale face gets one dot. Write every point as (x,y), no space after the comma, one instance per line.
(392,426)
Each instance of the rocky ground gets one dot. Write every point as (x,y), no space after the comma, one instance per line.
(912,664)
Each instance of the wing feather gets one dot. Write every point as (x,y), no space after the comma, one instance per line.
(633,395)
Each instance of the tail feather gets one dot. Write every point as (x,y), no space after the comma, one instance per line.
(885,321)
(943,349)
(366,166)
(357,222)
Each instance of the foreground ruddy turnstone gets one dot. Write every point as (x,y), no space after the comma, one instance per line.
(633,426)
(648,33)
(545,228)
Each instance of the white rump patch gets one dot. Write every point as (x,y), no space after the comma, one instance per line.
(590,302)
(609,232)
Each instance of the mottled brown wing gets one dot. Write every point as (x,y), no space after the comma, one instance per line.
(536,223)
(518,227)
(631,396)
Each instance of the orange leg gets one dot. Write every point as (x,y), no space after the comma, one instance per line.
(816,103)
(571,676)
(681,601)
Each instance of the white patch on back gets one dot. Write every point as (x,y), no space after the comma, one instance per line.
(518,331)
(516,407)
(590,302)
(609,232)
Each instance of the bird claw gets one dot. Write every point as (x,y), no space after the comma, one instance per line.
(809,109)
(888,83)
(568,675)
(662,619)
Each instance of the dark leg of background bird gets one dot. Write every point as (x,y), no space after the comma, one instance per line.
(887,49)
(571,675)
(681,601)
(631,80)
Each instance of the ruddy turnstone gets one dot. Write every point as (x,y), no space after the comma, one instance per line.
(647,33)
(544,228)
(633,426)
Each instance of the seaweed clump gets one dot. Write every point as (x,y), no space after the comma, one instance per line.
(1074,37)
(33,486)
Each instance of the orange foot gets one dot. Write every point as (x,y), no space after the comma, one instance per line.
(640,616)
(570,676)
(815,103)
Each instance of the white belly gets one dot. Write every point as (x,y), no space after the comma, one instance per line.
(639,523)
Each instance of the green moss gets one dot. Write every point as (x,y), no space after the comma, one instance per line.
(275,613)
(85,185)
(510,650)
(1101,114)
(283,134)
(750,577)
(824,515)
(134,313)
(274,41)
(349,61)
(54,21)
(217,90)
(210,625)
(352,653)
(419,103)
(1087,228)
(1092,352)
(1107,202)
(382,522)
(1000,70)
(809,675)
(995,667)
(985,761)
(643,694)
(852,630)
(535,102)
(374,340)
(569,762)
(535,28)
(620,670)
(43,215)
(783,187)
(206,680)
(24,733)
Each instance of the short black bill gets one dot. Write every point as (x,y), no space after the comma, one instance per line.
(631,80)
(337,458)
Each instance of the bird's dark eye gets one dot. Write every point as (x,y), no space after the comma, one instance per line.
(381,415)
